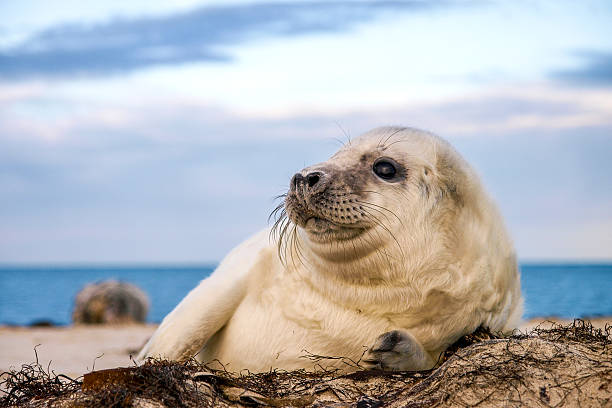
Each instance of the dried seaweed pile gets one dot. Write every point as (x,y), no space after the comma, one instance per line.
(33,382)
(556,366)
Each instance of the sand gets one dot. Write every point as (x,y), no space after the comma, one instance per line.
(76,350)
(72,350)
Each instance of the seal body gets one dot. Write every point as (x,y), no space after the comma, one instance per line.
(384,255)
(110,302)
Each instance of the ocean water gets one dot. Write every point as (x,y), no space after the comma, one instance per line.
(30,294)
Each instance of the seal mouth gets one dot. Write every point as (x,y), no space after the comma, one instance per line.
(321,229)
(320,225)
(316,223)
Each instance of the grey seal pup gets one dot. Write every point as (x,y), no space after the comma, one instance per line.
(385,254)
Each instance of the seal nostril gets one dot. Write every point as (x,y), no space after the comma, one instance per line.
(296,180)
(313,179)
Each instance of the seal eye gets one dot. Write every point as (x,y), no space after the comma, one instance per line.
(385,169)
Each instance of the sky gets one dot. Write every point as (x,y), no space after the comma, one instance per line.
(160,132)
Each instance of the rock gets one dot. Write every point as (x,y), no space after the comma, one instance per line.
(110,302)
(42,323)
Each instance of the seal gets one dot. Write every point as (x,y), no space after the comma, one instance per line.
(110,302)
(385,255)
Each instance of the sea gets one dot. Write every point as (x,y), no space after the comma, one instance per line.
(45,294)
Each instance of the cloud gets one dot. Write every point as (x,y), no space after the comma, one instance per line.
(168,200)
(172,181)
(33,111)
(203,34)
(595,70)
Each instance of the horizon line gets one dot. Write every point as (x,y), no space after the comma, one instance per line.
(214,264)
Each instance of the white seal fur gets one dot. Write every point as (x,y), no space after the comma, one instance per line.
(390,252)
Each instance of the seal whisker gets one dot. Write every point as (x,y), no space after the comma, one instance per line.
(346,134)
(382,225)
(379,252)
(288,244)
(337,139)
(382,214)
(293,247)
(397,141)
(367,203)
(382,144)
(299,253)
(282,241)
(278,214)
(279,231)
(366,191)
(382,253)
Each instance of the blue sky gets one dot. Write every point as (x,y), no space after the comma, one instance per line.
(156,132)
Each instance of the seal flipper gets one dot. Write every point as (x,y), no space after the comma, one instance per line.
(208,307)
(398,350)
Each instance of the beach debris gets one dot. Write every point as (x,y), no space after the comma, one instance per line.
(32,383)
(561,366)
(110,302)
(42,323)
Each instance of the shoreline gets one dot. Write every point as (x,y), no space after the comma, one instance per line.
(77,349)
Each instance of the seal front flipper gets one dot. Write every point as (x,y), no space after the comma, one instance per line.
(397,350)
(208,307)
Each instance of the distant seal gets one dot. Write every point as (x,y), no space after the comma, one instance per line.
(110,302)
(385,254)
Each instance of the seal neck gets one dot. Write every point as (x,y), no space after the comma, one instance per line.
(364,260)
(372,270)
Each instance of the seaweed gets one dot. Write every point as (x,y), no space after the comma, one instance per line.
(34,382)
(552,365)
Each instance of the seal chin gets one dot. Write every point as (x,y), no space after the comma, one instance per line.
(322,230)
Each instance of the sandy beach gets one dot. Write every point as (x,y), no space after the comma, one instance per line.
(72,350)
(76,350)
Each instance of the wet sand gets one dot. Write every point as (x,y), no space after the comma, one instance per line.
(76,350)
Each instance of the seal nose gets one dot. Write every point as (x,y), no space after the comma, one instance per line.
(311,180)
(296,181)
